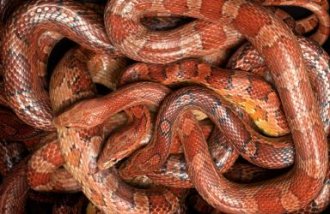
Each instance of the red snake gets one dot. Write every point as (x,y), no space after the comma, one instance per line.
(70,77)
(314,157)
(193,71)
(158,196)
(14,189)
(28,98)
(88,31)
(307,132)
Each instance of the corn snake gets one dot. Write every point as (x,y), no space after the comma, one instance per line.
(65,121)
(171,11)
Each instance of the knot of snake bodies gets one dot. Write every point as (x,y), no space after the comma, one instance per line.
(250,138)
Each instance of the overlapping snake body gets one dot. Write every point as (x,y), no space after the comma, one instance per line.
(194,71)
(86,29)
(81,127)
(290,94)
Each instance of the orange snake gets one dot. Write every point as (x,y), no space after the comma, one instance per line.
(289,76)
(298,101)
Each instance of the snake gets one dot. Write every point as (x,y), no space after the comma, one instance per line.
(247,60)
(317,60)
(196,72)
(95,104)
(311,141)
(71,61)
(175,73)
(199,164)
(44,172)
(155,73)
(123,193)
(13,129)
(205,189)
(178,44)
(304,25)
(117,195)
(14,188)
(11,154)
(28,98)
(141,72)
(71,76)
(68,20)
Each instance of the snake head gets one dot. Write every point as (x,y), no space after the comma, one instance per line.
(113,152)
(140,164)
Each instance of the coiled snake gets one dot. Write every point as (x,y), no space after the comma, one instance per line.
(80,128)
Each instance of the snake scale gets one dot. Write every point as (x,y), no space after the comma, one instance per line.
(82,128)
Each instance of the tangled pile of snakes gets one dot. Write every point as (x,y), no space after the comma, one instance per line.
(164,106)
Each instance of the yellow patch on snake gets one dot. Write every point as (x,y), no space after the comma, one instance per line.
(257,114)
(268,128)
(249,106)
(199,115)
